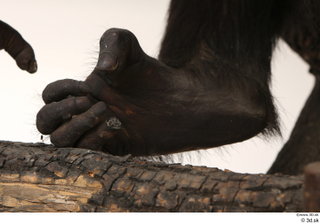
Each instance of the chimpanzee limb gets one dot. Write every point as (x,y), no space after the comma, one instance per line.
(302,33)
(12,42)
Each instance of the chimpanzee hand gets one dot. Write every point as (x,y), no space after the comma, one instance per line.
(134,104)
(17,47)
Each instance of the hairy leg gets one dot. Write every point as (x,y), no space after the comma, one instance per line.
(205,91)
(302,33)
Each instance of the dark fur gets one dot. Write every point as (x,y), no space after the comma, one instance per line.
(239,37)
(213,90)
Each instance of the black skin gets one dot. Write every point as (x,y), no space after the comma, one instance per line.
(162,109)
(12,42)
(209,86)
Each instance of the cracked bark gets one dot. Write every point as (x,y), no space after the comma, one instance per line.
(39,177)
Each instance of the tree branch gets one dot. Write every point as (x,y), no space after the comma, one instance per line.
(40,177)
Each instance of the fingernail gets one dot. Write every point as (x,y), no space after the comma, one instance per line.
(99,109)
(33,67)
(82,103)
(107,62)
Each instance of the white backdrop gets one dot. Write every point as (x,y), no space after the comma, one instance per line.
(65,35)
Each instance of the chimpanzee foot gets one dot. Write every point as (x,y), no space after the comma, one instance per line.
(17,47)
(134,104)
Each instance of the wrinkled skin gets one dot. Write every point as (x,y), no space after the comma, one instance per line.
(162,110)
(12,42)
(209,86)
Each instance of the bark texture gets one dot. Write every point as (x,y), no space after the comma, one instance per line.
(40,177)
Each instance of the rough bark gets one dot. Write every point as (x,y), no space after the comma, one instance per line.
(312,187)
(39,177)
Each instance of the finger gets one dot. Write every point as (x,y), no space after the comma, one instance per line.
(97,137)
(52,115)
(12,41)
(26,60)
(61,89)
(118,48)
(68,133)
